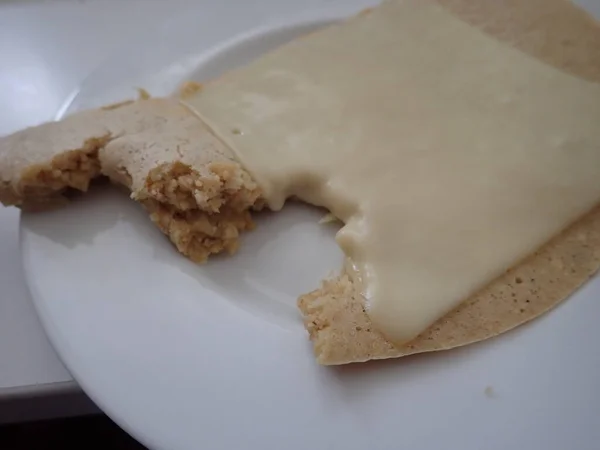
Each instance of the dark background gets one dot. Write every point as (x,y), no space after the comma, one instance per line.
(93,431)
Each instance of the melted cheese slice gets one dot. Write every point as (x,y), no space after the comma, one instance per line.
(448,155)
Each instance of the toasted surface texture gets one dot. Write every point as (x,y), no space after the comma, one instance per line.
(567,38)
(190,183)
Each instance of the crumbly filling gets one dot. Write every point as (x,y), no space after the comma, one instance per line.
(197,234)
(183,188)
(73,169)
(201,214)
(45,183)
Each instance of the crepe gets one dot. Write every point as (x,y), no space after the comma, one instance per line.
(189,182)
(566,37)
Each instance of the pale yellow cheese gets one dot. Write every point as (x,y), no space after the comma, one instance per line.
(448,155)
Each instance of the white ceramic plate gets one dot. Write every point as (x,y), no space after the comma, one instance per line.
(215,357)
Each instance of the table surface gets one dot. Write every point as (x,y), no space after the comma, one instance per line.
(47,48)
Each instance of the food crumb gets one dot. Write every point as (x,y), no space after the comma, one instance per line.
(328,218)
(143,94)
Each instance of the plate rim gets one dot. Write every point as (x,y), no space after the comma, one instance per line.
(53,333)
